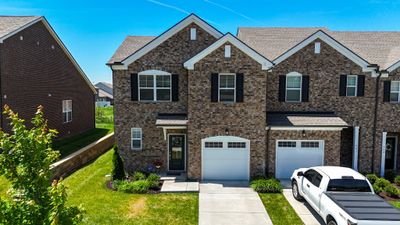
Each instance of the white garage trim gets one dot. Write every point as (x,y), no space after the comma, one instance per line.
(224,140)
(298,146)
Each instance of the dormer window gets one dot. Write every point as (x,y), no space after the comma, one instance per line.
(193,34)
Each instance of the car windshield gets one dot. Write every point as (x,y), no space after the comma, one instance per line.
(348,185)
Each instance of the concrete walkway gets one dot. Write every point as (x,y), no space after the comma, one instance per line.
(230,203)
(172,186)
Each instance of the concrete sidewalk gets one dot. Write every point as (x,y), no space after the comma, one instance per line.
(230,203)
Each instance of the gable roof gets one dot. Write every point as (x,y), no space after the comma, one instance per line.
(130,45)
(192,18)
(104,86)
(381,48)
(265,63)
(10,25)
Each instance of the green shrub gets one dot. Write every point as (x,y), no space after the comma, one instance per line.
(392,191)
(389,175)
(154,180)
(380,185)
(266,185)
(118,172)
(372,178)
(397,180)
(138,176)
(138,187)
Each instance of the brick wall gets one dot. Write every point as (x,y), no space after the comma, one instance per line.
(33,74)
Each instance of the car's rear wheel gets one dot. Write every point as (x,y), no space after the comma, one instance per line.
(332,222)
(295,191)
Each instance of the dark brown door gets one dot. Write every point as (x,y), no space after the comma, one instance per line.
(390,152)
(176,152)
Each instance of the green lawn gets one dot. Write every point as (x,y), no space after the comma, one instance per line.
(103,206)
(105,117)
(279,209)
(395,204)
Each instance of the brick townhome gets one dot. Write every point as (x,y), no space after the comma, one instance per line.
(264,102)
(37,69)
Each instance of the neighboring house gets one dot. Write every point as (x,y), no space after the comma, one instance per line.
(104,96)
(37,69)
(265,102)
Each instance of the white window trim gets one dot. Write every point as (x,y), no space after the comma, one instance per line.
(293,74)
(154,74)
(355,86)
(220,88)
(65,110)
(140,139)
(395,92)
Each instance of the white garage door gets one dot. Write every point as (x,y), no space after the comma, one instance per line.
(294,154)
(225,158)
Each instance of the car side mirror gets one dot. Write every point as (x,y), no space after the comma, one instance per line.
(300,174)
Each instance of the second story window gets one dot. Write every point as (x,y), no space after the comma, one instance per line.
(351,85)
(67,110)
(227,87)
(155,87)
(395,91)
(293,87)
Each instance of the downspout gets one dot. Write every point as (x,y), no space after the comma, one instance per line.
(375,117)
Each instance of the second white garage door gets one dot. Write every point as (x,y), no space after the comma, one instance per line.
(294,154)
(225,158)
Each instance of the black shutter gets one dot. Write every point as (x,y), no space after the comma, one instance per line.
(386,91)
(305,88)
(360,85)
(342,85)
(239,87)
(175,87)
(282,88)
(214,87)
(134,87)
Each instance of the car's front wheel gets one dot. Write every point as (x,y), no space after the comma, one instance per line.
(332,222)
(295,191)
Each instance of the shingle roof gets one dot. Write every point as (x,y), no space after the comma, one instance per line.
(293,119)
(9,24)
(172,119)
(382,48)
(130,45)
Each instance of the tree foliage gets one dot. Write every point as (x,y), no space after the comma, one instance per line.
(25,158)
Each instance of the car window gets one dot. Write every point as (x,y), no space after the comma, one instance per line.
(309,175)
(348,185)
(314,177)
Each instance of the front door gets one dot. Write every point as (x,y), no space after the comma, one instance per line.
(176,149)
(390,152)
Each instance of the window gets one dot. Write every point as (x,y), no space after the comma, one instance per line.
(348,185)
(293,87)
(310,144)
(314,177)
(67,110)
(136,138)
(213,144)
(351,85)
(193,34)
(236,144)
(154,87)
(287,144)
(395,91)
(227,84)
(227,51)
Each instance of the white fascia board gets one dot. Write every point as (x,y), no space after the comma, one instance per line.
(306,128)
(166,35)
(333,43)
(393,67)
(59,42)
(265,63)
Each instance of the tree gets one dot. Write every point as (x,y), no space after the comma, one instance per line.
(118,172)
(25,158)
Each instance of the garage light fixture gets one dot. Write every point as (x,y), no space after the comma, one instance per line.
(303,133)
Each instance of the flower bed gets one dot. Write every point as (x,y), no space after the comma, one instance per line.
(139,183)
(384,188)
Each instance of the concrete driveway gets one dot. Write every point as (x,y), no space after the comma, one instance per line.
(230,203)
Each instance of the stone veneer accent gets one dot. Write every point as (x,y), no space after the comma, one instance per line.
(244,119)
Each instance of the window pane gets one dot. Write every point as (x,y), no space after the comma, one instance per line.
(227,81)
(163,81)
(69,116)
(227,95)
(136,133)
(163,94)
(351,91)
(293,95)
(136,143)
(293,82)
(351,80)
(146,94)
(146,81)
(394,86)
(394,97)
(64,117)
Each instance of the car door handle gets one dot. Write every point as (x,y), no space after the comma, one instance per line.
(308,185)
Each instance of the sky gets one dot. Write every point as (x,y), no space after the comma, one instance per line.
(92,30)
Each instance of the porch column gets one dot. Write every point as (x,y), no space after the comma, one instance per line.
(383,155)
(356,136)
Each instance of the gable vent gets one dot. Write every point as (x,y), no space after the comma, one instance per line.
(193,34)
(317,48)
(227,51)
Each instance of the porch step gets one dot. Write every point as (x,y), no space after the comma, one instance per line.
(175,177)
